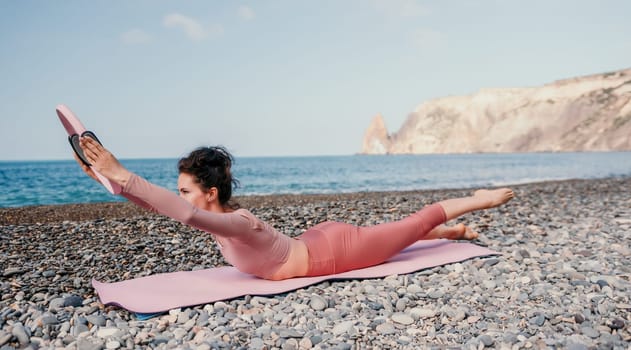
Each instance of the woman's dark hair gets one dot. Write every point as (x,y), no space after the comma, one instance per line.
(211,168)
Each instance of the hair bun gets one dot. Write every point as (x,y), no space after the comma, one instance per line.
(211,168)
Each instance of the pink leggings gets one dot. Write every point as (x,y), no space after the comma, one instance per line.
(336,247)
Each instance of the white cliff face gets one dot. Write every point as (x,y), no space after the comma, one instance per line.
(591,113)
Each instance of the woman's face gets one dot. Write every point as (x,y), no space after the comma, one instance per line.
(191,191)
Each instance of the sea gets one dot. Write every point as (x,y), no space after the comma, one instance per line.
(26,183)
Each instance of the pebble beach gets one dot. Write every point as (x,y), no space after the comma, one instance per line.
(562,279)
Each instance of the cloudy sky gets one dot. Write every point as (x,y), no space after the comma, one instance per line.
(155,79)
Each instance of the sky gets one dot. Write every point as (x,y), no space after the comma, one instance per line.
(156,79)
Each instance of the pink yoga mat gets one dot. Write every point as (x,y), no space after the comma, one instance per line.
(162,292)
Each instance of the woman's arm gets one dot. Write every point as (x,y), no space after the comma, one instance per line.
(139,202)
(159,199)
(168,203)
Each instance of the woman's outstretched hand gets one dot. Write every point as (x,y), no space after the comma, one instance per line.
(103,161)
(86,169)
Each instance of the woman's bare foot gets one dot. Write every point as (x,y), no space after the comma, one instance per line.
(494,198)
(460,231)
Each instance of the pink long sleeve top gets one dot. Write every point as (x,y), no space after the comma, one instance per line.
(246,242)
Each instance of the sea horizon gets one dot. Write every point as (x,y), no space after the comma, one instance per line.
(334,155)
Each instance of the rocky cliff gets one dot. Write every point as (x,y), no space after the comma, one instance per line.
(590,113)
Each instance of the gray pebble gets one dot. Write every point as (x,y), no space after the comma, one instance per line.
(486,340)
(5,337)
(112,345)
(318,303)
(602,283)
(316,339)
(106,332)
(402,318)
(616,323)
(21,334)
(49,320)
(157,341)
(574,345)
(290,333)
(369,289)
(491,262)
(264,331)
(436,294)
(510,337)
(73,300)
(11,271)
(414,289)
(305,343)
(590,332)
(80,328)
(489,284)
(65,327)
(538,320)
(343,327)
(386,328)
(56,304)
(375,305)
(96,320)
(89,344)
(179,333)
(459,316)
(290,344)
(256,343)
(401,304)
(202,320)
(81,320)
(184,316)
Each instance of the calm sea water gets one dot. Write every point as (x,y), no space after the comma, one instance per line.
(61,182)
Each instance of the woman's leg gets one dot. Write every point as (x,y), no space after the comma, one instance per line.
(358,247)
(367,246)
(459,231)
(481,199)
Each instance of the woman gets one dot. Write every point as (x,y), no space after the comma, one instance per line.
(253,246)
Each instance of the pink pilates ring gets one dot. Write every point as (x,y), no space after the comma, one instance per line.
(74,128)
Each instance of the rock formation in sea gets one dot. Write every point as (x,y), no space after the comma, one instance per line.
(589,113)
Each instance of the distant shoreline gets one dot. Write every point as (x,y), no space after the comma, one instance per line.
(175,159)
(116,210)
